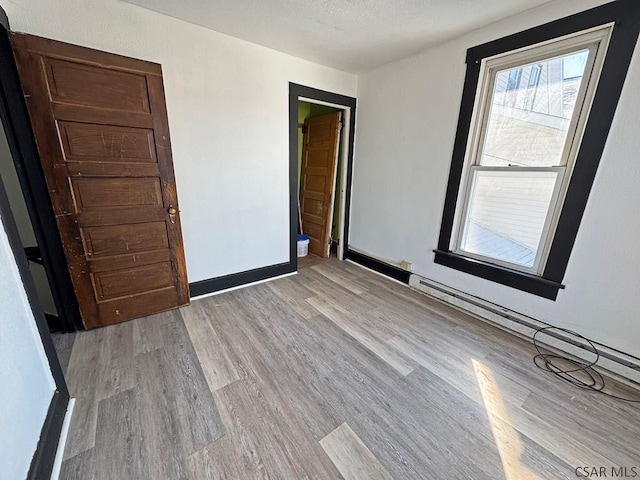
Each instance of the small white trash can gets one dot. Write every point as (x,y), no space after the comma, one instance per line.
(303,245)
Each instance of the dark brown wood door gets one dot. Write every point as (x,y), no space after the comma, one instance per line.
(317,179)
(101,127)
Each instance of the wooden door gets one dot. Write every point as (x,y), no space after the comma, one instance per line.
(317,179)
(101,127)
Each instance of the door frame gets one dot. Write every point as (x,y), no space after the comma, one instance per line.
(298,93)
(42,463)
(15,118)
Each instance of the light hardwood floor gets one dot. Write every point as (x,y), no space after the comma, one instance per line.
(333,373)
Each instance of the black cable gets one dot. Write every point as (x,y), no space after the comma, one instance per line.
(550,362)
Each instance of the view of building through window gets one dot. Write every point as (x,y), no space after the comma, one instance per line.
(530,112)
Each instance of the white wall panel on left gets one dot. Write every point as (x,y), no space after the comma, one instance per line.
(26,383)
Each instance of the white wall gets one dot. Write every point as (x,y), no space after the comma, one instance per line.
(407,116)
(227,101)
(26,384)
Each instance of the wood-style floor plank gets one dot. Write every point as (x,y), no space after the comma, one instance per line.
(351,456)
(160,431)
(118,451)
(332,373)
(218,368)
(147,335)
(367,338)
(82,376)
(79,467)
(279,357)
(339,278)
(195,410)
(117,373)
(222,460)
(63,343)
(295,295)
(285,450)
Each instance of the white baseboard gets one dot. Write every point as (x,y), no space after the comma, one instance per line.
(57,464)
(619,365)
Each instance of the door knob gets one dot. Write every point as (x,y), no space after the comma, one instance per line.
(172,213)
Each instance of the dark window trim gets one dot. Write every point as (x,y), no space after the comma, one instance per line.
(626,15)
(496,273)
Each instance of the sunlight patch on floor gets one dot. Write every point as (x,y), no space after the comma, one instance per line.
(505,436)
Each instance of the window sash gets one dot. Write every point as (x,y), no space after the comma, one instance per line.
(553,201)
(568,152)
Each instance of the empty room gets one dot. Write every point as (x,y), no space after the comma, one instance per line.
(368,239)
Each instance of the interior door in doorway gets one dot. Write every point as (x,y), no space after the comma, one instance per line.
(317,179)
(100,124)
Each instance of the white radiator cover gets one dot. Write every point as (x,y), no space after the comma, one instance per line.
(617,364)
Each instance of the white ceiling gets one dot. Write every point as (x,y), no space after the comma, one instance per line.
(352,35)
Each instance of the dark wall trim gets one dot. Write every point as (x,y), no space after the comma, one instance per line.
(236,279)
(378,266)
(15,119)
(42,462)
(295,92)
(626,15)
(45,456)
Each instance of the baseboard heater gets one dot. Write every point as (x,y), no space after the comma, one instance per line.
(619,365)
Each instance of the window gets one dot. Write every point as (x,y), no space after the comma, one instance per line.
(513,79)
(532,115)
(534,77)
(524,149)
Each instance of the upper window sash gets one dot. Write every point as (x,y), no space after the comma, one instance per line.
(595,40)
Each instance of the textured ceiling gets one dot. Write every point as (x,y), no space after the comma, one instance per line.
(352,35)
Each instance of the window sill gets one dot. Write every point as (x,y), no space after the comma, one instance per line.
(505,276)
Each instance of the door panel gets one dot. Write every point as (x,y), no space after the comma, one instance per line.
(113,284)
(101,128)
(76,83)
(96,143)
(123,239)
(317,179)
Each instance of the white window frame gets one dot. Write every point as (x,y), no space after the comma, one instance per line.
(595,40)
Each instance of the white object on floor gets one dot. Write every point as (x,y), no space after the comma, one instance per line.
(57,463)
(303,245)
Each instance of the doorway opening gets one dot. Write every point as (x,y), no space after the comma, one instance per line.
(321,150)
(26,232)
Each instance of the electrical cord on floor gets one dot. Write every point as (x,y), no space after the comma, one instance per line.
(591,379)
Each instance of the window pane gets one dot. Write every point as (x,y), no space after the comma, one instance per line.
(507,213)
(531,108)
